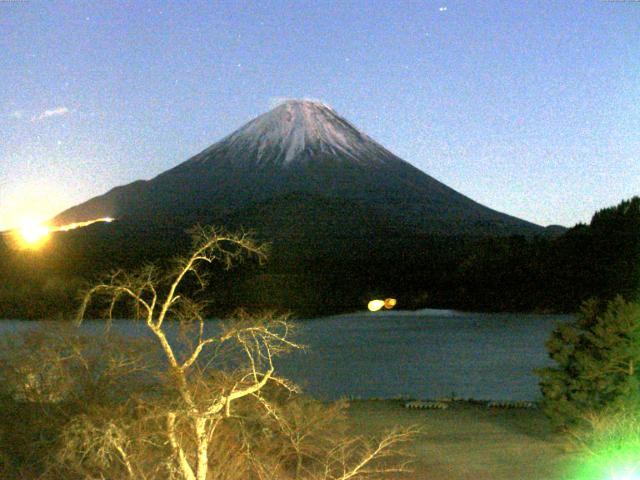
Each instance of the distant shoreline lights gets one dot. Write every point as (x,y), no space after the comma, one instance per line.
(387,304)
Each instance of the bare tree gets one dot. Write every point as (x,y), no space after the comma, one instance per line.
(58,388)
(144,291)
(217,376)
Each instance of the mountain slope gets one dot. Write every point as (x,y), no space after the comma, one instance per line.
(299,147)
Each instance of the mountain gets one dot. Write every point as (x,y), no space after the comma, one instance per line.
(346,218)
(300,170)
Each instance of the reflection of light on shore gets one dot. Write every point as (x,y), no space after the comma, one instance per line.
(33,234)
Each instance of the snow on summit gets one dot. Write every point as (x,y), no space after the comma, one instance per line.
(296,127)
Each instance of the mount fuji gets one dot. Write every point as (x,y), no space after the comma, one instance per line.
(293,171)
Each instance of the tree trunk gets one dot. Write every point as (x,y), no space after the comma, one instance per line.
(203,448)
(183,463)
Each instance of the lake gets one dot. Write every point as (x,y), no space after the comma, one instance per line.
(424,354)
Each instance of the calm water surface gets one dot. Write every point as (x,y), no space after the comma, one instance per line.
(424,354)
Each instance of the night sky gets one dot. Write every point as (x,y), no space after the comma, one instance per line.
(529,107)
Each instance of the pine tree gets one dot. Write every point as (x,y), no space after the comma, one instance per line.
(598,358)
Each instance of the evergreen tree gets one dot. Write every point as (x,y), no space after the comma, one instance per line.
(598,359)
(615,235)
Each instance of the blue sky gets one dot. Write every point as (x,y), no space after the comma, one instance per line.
(529,107)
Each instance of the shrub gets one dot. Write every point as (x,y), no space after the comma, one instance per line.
(597,360)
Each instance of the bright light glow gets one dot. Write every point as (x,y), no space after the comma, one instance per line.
(36,198)
(375,305)
(32,234)
(629,473)
(73,226)
(617,460)
(389,303)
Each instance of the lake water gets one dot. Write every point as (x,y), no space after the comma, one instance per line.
(425,354)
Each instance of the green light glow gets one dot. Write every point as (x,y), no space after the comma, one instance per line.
(619,463)
(610,448)
(626,473)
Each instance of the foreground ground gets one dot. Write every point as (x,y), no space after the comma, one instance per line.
(471,442)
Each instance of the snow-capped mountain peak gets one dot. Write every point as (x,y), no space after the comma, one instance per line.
(300,149)
(285,133)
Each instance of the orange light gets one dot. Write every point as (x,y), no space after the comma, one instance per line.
(389,303)
(34,234)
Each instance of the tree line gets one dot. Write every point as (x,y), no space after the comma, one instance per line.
(552,273)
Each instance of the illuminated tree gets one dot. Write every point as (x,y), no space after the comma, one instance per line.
(598,358)
(222,412)
(53,375)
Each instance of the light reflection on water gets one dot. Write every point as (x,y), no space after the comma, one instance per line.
(425,354)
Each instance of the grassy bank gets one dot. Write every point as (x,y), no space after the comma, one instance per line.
(471,442)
